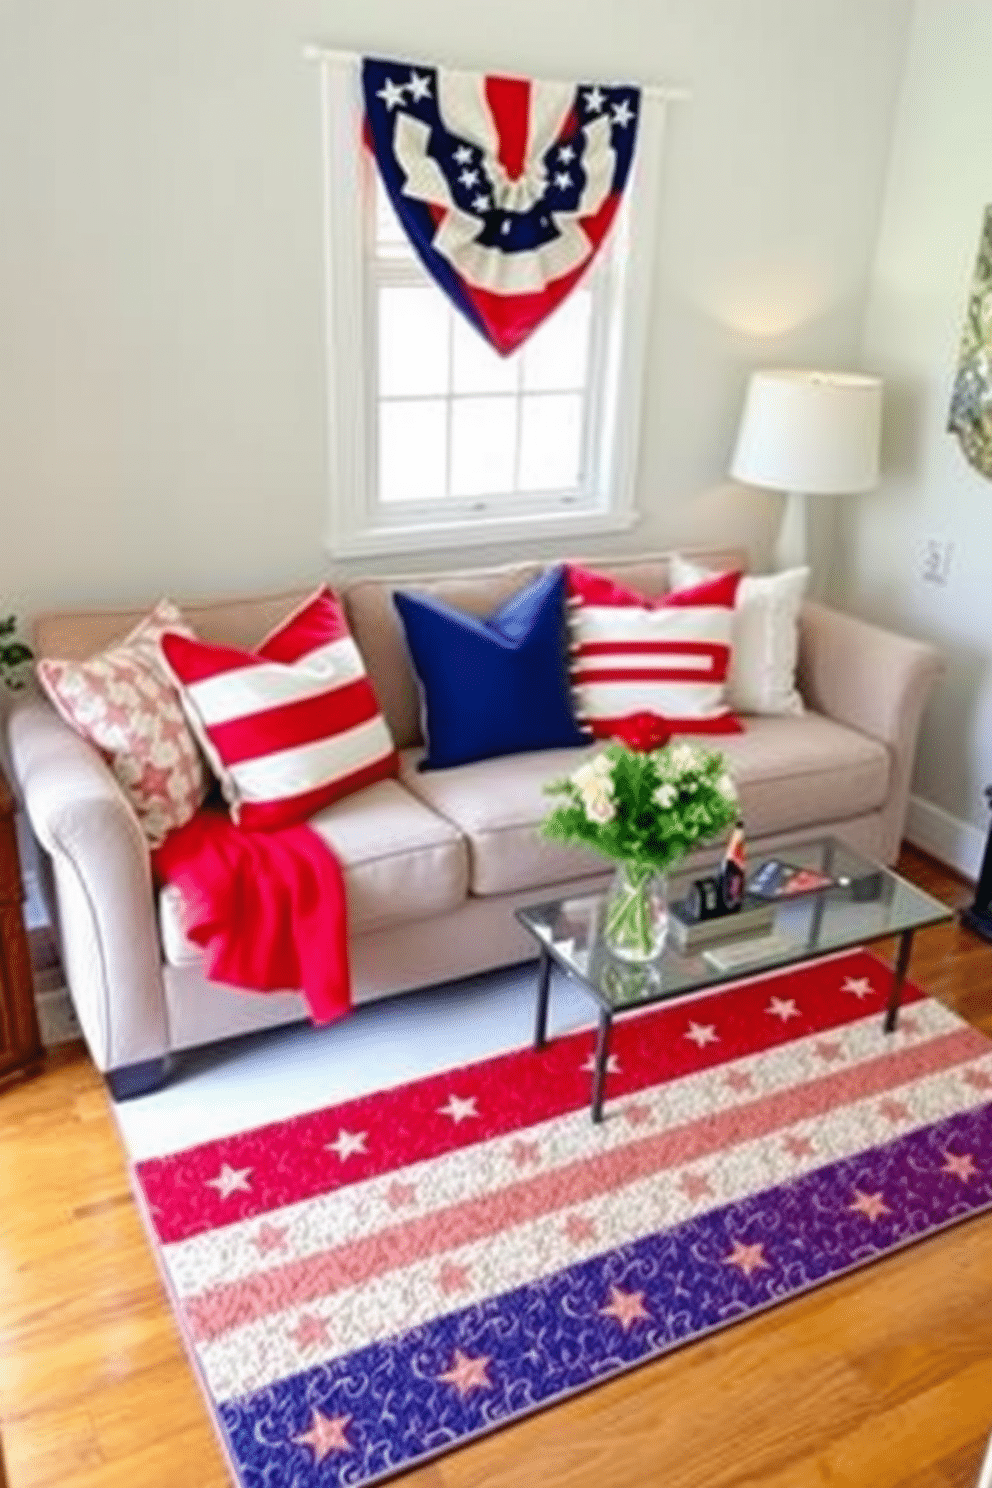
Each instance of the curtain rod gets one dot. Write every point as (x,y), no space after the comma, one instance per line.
(313,52)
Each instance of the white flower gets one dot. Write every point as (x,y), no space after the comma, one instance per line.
(727,788)
(684,758)
(593,772)
(594,783)
(666,796)
(599,807)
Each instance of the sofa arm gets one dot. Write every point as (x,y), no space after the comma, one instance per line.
(874,681)
(104,895)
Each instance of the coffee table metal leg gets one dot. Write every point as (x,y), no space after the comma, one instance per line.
(898,979)
(543,991)
(602,1059)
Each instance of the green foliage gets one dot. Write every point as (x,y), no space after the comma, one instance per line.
(650,808)
(13,654)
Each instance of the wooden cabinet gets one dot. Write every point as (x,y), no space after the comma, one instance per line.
(20,1041)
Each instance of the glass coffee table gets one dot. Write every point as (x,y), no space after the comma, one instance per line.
(868,903)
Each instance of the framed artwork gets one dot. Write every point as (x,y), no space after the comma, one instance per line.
(970,415)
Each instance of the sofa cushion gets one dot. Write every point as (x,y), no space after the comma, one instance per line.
(123,702)
(290,727)
(498,804)
(635,654)
(227,622)
(805,771)
(401,862)
(765,641)
(791,772)
(493,685)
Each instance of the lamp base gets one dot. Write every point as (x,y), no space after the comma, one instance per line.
(790,546)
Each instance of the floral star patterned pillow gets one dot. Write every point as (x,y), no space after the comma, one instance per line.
(122,701)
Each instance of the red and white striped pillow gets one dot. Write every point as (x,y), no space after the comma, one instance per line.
(665,657)
(290,727)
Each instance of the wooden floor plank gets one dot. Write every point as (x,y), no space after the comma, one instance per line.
(881,1378)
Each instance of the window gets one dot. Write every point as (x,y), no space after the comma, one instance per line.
(435,439)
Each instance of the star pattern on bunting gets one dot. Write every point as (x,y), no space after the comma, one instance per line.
(231,1180)
(326,1435)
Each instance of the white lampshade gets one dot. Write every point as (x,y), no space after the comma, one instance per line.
(815,432)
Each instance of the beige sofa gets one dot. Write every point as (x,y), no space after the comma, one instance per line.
(435,862)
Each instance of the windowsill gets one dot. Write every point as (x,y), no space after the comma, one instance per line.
(478,532)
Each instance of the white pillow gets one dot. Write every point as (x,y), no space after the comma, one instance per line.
(765,637)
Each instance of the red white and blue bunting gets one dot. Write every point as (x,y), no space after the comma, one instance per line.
(506,187)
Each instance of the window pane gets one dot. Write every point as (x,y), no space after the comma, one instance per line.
(556,356)
(413,341)
(412,450)
(483,446)
(390,239)
(478,369)
(550,442)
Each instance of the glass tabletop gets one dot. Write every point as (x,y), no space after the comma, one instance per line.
(866,903)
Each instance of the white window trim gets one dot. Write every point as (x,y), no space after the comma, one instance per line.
(351,530)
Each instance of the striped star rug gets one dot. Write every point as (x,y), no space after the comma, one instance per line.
(370,1285)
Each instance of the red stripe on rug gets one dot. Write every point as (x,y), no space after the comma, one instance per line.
(290,1160)
(273,1290)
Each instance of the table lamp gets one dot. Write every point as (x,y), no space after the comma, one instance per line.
(808,433)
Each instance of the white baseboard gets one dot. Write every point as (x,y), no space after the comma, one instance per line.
(945,837)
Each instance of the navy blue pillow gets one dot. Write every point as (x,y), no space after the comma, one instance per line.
(492,686)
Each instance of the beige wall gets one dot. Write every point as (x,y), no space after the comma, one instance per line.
(938,185)
(161,417)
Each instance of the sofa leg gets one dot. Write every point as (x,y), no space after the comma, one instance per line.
(132,1080)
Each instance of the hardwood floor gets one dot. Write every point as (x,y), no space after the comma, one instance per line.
(881,1379)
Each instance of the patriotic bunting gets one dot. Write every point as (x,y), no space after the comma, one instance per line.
(506,187)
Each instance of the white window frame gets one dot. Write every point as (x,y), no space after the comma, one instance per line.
(357,524)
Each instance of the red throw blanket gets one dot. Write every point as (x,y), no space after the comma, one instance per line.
(267,907)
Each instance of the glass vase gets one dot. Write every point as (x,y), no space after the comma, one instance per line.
(635,915)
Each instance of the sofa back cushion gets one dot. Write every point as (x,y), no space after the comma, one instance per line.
(77,635)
